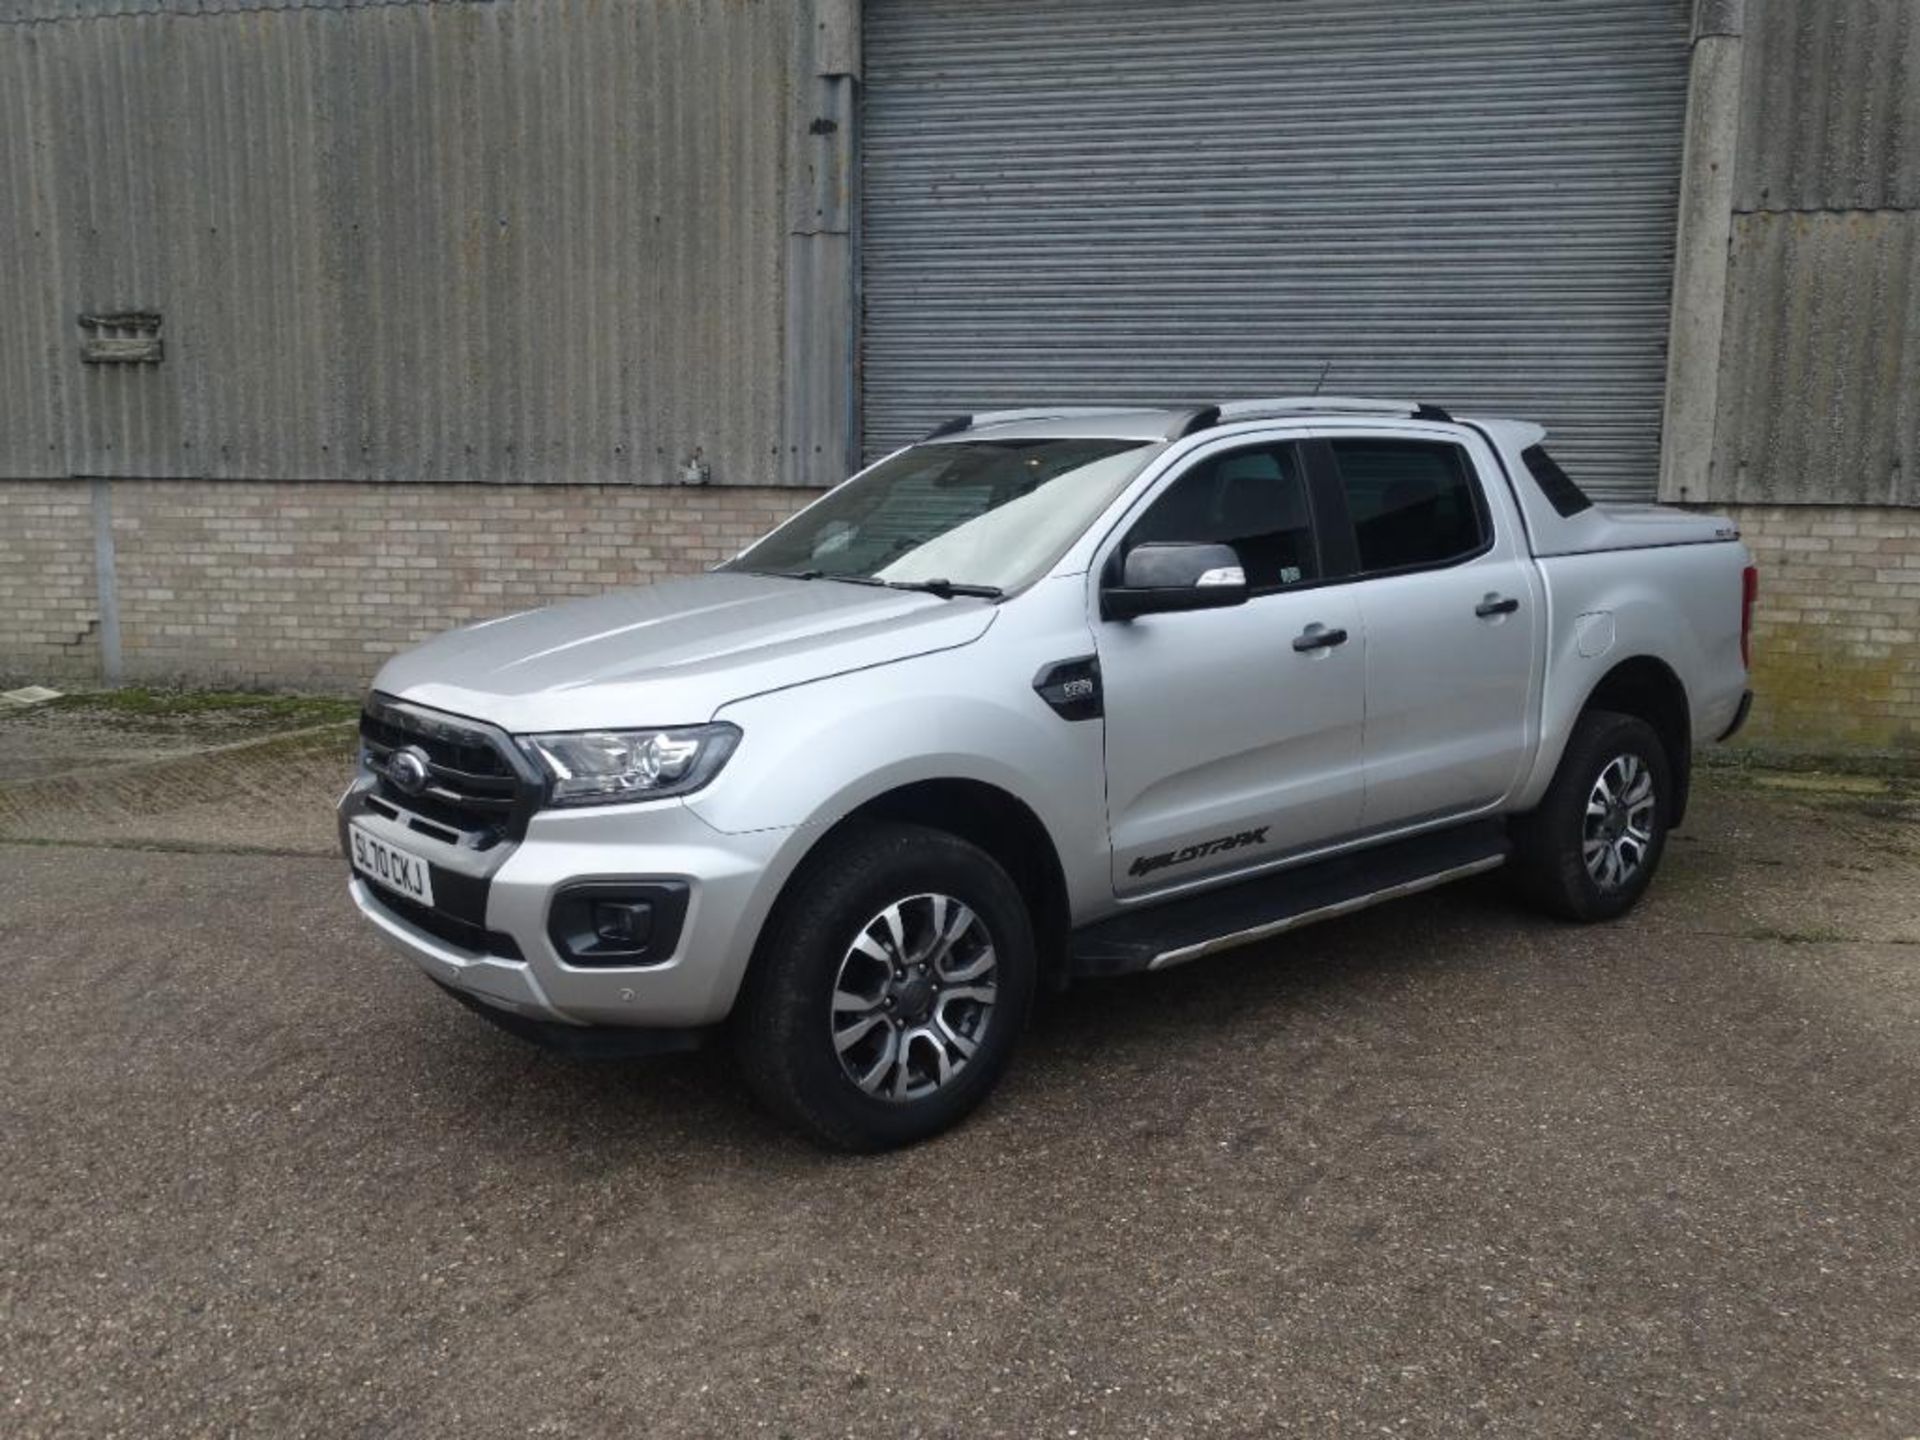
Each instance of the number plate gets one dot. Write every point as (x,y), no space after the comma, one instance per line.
(389,865)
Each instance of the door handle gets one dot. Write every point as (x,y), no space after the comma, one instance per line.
(1496,605)
(1317,637)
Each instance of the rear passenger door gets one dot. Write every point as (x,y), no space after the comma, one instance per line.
(1447,598)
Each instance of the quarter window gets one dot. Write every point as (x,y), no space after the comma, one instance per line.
(1562,493)
(1253,500)
(1414,503)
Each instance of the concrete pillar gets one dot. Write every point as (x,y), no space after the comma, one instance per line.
(820,425)
(1701,249)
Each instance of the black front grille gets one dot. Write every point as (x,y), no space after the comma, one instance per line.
(447,741)
(475,782)
(463,934)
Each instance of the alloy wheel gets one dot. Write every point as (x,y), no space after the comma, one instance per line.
(914,997)
(1619,821)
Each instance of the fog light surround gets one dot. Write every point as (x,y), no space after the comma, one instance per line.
(604,923)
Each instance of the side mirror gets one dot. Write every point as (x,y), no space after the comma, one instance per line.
(1162,577)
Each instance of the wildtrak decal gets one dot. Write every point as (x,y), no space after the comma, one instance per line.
(1147,864)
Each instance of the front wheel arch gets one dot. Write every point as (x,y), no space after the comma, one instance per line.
(786,1028)
(992,820)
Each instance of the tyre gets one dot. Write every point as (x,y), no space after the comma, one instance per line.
(1590,849)
(889,990)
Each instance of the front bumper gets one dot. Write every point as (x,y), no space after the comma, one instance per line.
(497,951)
(588,1042)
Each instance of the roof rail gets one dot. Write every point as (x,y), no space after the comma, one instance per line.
(1054,412)
(1035,412)
(1232,410)
(1204,417)
(1188,420)
(952,425)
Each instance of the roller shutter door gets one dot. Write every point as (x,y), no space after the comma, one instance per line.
(1469,203)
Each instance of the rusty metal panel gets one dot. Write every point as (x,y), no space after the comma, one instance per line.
(523,240)
(1831,110)
(1820,370)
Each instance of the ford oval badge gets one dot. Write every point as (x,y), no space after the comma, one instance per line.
(407,769)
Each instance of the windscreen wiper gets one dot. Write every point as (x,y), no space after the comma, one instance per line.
(946,589)
(817,575)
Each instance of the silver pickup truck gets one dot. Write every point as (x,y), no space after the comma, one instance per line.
(1053,693)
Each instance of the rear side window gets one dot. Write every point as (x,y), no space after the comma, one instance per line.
(1414,503)
(1253,500)
(1565,496)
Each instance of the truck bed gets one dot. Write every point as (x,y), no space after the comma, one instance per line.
(1631,527)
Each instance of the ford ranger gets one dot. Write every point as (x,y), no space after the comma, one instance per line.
(1053,693)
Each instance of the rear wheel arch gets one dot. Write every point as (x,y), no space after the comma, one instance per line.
(1589,850)
(1647,688)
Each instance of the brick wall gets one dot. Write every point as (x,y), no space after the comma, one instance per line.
(1837,636)
(314,585)
(48,614)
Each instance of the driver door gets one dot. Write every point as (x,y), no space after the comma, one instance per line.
(1233,735)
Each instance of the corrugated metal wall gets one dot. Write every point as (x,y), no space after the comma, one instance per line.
(1470,203)
(1819,391)
(1830,115)
(40,10)
(526,240)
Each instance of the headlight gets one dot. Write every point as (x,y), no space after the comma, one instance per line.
(604,767)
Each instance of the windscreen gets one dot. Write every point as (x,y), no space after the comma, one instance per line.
(992,513)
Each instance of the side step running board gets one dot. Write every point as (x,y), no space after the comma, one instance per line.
(1186,929)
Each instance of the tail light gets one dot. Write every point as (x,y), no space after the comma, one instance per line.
(1749,592)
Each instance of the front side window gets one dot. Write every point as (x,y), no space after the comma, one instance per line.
(1413,503)
(1253,500)
(992,513)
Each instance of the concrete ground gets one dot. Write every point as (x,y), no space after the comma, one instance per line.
(81,733)
(183,769)
(1439,1169)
